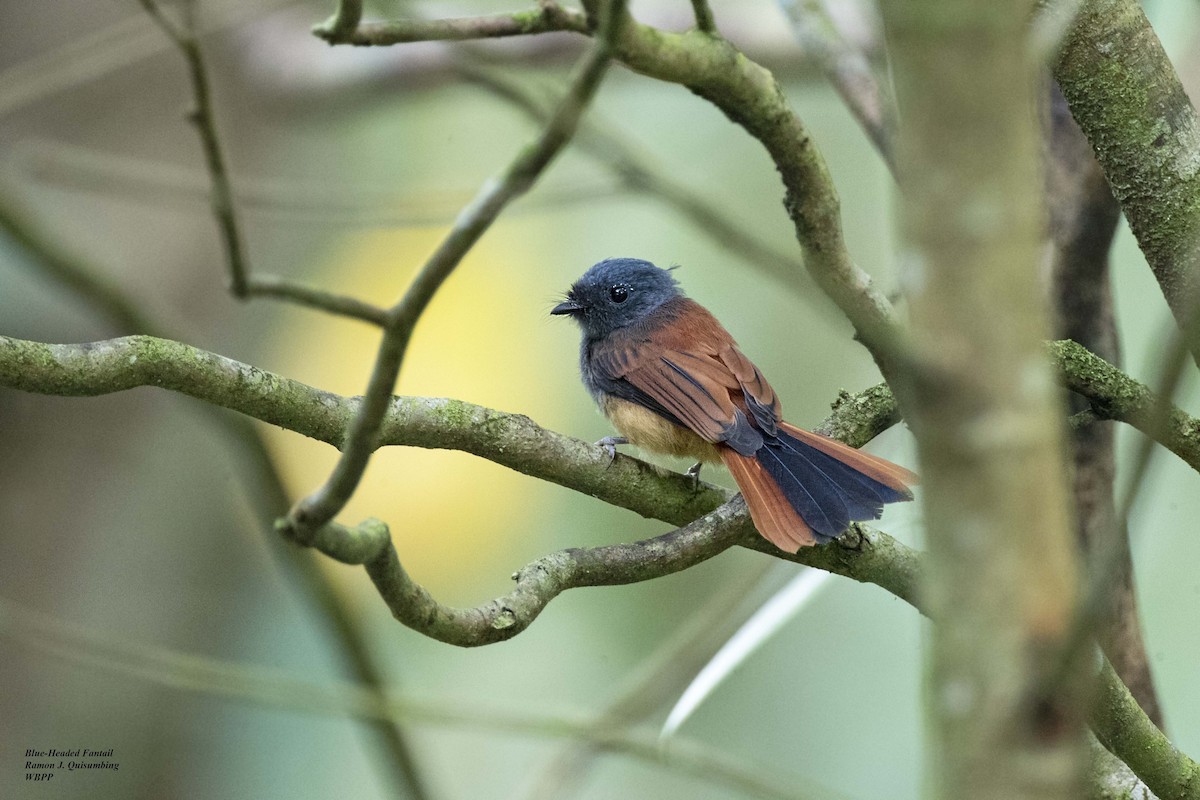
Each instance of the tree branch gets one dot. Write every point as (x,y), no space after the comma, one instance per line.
(221,195)
(864,554)
(549,17)
(704,16)
(272,286)
(1123,727)
(310,513)
(511,440)
(1125,95)
(1114,395)
(1083,218)
(638,173)
(849,72)
(543,580)
(508,439)
(748,94)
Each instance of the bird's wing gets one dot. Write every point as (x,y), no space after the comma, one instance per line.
(692,373)
(761,399)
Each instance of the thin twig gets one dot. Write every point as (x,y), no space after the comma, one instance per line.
(547,18)
(272,286)
(638,173)
(849,72)
(344,21)
(184,37)
(241,283)
(319,508)
(704,16)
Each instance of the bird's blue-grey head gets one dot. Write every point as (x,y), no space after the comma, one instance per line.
(616,293)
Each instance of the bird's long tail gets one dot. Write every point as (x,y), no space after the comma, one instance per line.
(803,488)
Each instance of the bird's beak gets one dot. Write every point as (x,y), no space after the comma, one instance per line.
(566,307)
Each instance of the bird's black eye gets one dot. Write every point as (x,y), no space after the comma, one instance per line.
(618,293)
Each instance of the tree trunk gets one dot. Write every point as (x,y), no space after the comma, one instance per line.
(1003,580)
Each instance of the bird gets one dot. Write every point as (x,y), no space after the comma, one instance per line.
(672,380)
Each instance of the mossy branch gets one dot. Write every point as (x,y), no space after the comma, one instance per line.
(550,17)
(1127,98)
(514,440)
(1114,395)
(1123,727)
(712,522)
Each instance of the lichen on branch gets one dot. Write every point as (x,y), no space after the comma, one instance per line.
(717,522)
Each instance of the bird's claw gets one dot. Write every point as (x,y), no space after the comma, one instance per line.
(693,472)
(609,443)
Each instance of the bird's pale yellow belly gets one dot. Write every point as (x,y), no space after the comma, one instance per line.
(644,428)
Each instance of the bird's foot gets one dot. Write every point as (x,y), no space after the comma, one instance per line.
(609,443)
(693,472)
